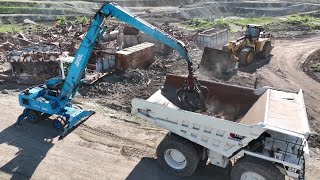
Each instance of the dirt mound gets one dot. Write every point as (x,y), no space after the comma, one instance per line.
(312,65)
(289,29)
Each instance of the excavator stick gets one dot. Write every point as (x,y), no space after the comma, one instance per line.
(217,63)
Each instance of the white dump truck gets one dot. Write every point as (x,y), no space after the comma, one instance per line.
(263,132)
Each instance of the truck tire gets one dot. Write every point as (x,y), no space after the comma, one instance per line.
(265,53)
(254,168)
(178,156)
(246,56)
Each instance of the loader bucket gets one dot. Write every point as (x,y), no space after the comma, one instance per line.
(216,63)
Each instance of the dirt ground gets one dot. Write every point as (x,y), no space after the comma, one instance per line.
(112,144)
(311,65)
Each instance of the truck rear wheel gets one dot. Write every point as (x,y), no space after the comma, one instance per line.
(178,156)
(250,168)
(246,56)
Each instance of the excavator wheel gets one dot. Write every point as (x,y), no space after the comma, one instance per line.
(265,53)
(33,116)
(246,56)
(59,123)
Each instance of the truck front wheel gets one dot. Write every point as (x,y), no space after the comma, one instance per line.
(250,168)
(178,156)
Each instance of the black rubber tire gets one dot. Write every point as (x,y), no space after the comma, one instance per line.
(243,56)
(59,123)
(35,114)
(265,53)
(262,167)
(186,147)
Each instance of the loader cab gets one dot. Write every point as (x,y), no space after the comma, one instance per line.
(253,31)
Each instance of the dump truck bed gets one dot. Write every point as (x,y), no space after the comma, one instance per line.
(273,109)
(276,110)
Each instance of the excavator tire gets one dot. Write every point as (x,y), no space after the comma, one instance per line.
(265,53)
(246,56)
(33,116)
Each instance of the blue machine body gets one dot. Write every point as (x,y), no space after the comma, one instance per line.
(55,96)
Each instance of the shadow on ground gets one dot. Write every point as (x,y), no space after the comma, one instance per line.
(33,142)
(257,63)
(12,86)
(148,168)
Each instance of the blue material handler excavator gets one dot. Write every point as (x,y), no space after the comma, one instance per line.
(54,97)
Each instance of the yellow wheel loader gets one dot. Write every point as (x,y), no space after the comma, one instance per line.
(243,50)
(254,42)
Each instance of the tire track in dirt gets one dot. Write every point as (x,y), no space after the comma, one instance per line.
(288,58)
(126,146)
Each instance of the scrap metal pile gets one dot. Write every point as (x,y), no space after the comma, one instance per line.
(35,63)
(35,56)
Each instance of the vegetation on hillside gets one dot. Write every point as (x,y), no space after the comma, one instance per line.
(200,24)
(20,27)
(62,20)
(234,23)
(10,28)
(82,20)
(309,21)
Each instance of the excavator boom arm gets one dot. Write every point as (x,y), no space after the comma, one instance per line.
(82,56)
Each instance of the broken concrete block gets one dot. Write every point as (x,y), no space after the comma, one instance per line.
(128,40)
(134,57)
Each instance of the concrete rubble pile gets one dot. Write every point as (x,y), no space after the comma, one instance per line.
(122,87)
(176,33)
(35,55)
